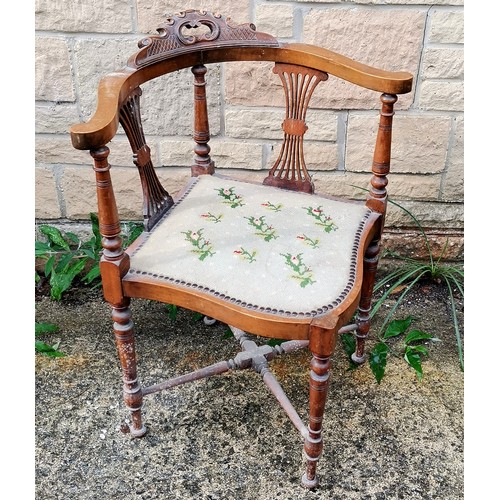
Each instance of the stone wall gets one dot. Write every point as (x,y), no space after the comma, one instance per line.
(78,42)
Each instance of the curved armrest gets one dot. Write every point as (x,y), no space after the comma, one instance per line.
(115,87)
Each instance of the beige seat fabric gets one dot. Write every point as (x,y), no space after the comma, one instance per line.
(265,248)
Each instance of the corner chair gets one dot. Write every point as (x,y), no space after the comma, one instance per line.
(273,259)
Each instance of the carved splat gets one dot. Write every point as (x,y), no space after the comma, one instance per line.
(156,201)
(290,171)
(193,29)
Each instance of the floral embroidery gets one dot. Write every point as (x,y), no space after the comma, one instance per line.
(263,229)
(245,254)
(301,272)
(271,206)
(322,219)
(309,241)
(211,217)
(230,197)
(202,247)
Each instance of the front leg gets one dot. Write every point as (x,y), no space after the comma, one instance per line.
(321,344)
(125,343)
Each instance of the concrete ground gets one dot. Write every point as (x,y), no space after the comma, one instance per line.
(226,437)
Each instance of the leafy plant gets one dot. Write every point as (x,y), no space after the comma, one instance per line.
(413,271)
(67,257)
(42,347)
(412,350)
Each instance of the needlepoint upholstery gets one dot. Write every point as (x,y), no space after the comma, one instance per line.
(264,248)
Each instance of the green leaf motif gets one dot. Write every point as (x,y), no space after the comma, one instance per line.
(201,246)
(230,197)
(272,206)
(378,360)
(262,228)
(302,272)
(323,220)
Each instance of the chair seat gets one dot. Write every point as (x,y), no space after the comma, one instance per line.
(260,247)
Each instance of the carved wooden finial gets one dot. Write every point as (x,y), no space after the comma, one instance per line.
(194,29)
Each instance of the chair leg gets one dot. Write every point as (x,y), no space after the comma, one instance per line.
(318,391)
(125,343)
(365,304)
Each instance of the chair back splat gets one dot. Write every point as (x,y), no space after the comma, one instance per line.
(274,259)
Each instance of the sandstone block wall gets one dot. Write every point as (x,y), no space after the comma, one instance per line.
(78,42)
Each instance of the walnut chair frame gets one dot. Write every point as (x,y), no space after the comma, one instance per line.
(301,68)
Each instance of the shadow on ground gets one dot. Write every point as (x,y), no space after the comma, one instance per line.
(226,437)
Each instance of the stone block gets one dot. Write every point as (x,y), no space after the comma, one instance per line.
(429,214)
(52,70)
(419,146)
(55,118)
(443,63)
(91,16)
(389,39)
(354,185)
(237,154)
(453,184)
(152,13)
(252,83)
(167,103)
(59,150)
(446,26)
(79,192)
(225,153)
(401,2)
(276,20)
(94,58)
(441,95)
(46,201)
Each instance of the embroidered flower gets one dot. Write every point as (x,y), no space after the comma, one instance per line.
(230,197)
(301,271)
(323,220)
(245,254)
(201,246)
(308,241)
(211,217)
(271,206)
(262,228)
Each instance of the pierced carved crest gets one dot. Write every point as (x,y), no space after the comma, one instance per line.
(194,29)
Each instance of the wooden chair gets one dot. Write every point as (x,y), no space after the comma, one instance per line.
(272,259)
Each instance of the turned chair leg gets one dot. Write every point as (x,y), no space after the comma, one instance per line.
(363,320)
(125,343)
(318,391)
